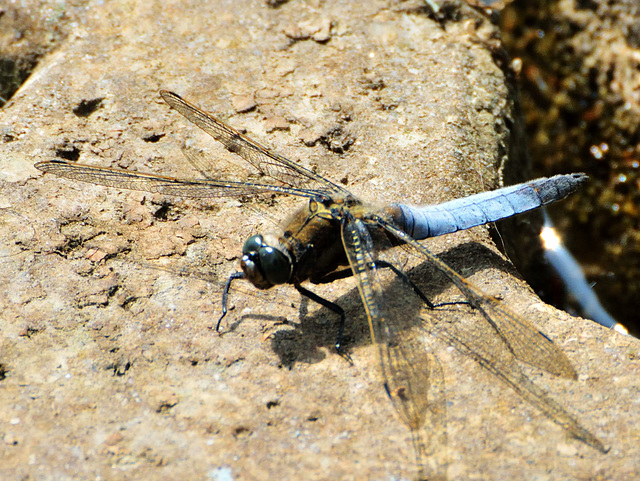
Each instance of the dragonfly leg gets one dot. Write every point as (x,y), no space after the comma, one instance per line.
(329,305)
(225,295)
(416,289)
(406,279)
(343,274)
(334,276)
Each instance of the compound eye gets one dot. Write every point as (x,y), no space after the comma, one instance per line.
(249,266)
(253,244)
(275,265)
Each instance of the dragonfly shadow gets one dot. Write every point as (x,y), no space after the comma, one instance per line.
(468,258)
(419,331)
(291,342)
(318,331)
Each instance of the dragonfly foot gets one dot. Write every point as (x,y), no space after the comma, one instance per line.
(225,295)
(343,354)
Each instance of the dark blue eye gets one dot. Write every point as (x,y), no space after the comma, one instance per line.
(253,244)
(275,265)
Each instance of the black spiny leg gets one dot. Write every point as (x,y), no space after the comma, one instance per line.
(415,288)
(344,273)
(331,306)
(406,279)
(225,295)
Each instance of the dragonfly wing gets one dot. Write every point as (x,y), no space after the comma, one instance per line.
(480,342)
(411,373)
(198,162)
(267,162)
(124,179)
(505,328)
(525,341)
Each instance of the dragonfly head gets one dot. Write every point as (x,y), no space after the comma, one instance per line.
(263,264)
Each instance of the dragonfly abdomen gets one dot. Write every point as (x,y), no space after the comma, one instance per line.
(478,209)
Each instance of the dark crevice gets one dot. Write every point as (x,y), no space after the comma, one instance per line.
(14,71)
(27,35)
(153,138)
(68,152)
(119,368)
(87,107)
(163,212)
(241,431)
(337,140)
(165,407)
(129,301)
(276,3)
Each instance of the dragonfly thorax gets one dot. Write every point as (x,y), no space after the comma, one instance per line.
(263,264)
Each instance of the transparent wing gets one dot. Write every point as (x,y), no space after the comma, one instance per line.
(124,179)
(198,162)
(479,341)
(411,373)
(523,341)
(267,162)
(526,342)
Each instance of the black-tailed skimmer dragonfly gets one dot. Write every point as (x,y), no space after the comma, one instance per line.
(335,229)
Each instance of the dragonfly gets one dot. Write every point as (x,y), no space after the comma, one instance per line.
(336,235)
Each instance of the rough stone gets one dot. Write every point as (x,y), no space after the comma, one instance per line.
(111,364)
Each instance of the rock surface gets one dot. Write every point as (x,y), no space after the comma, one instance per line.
(109,367)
